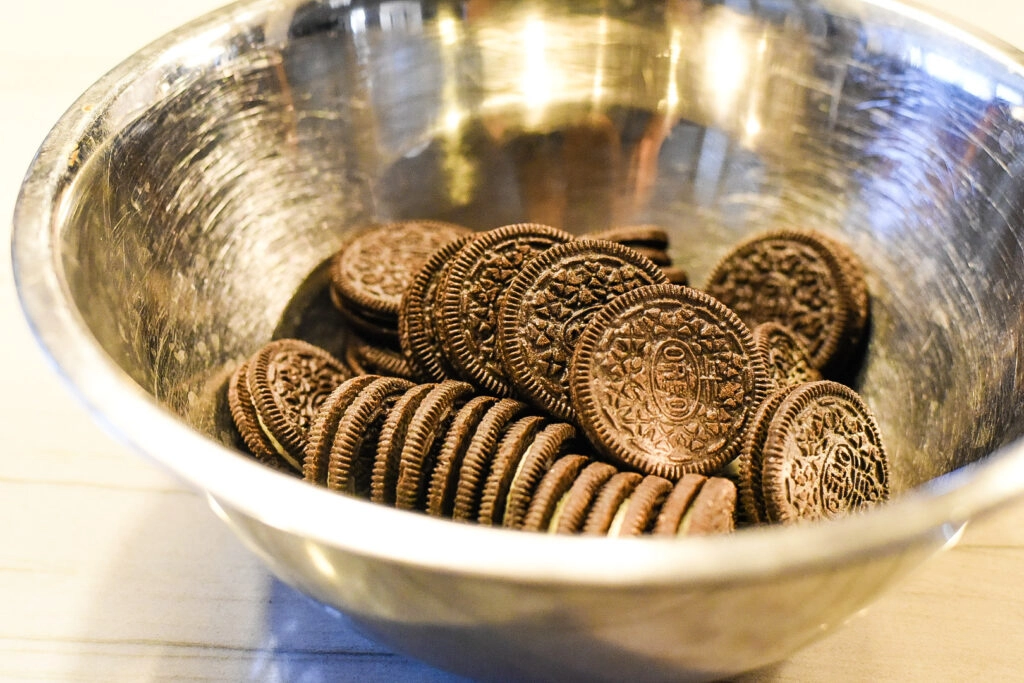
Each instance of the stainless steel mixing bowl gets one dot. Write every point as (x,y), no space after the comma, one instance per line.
(176,218)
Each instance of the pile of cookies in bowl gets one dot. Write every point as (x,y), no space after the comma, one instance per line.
(528,378)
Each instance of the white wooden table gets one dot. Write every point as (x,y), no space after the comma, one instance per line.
(110,570)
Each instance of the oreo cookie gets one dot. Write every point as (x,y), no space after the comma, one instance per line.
(785,357)
(287,380)
(571,512)
(552,486)
(551,443)
(667,384)
(393,433)
(366,358)
(550,302)
(823,456)
(476,463)
(504,465)
(665,380)
(372,270)
(444,478)
(247,422)
(608,502)
(423,439)
(751,498)
(418,313)
(644,505)
(801,280)
(470,296)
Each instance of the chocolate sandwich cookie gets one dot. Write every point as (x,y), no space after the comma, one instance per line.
(676,275)
(823,456)
(552,486)
(509,452)
(476,462)
(552,442)
(647,236)
(608,501)
(393,433)
(698,506)
(423,440)
(751,500)
(371,271)
(288,379)
(854,271)
(445,476)
(713,511)
(367,325)
(473,286)
(550,302)
(665,380)
(572,511)
(247,422)
(364,358)
(354,448)
(785,357)
(316,456)
(644,504)
(677,503)
(417,316)
(796,279)
(658,257)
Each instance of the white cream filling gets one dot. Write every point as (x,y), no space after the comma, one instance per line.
(620,515)
(557,514)
(684,523)
(512,485)
(281,450)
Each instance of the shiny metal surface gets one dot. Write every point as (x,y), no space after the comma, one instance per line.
(172,219)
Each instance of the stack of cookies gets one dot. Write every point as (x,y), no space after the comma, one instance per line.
(525,378)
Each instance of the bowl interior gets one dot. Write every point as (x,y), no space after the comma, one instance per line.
(197,227)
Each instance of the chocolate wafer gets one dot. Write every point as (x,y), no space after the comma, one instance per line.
(423,437)
(823,456)
(552,486)
(797,279)
(473,286)
(288,379)
(550,302)
(572,511)
(445,476)
(665,380)
(353,447)
(552,441)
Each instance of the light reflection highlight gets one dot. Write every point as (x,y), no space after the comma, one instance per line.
(726,64)
(536,81)
(320,561)
(675,51)
(602,31)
